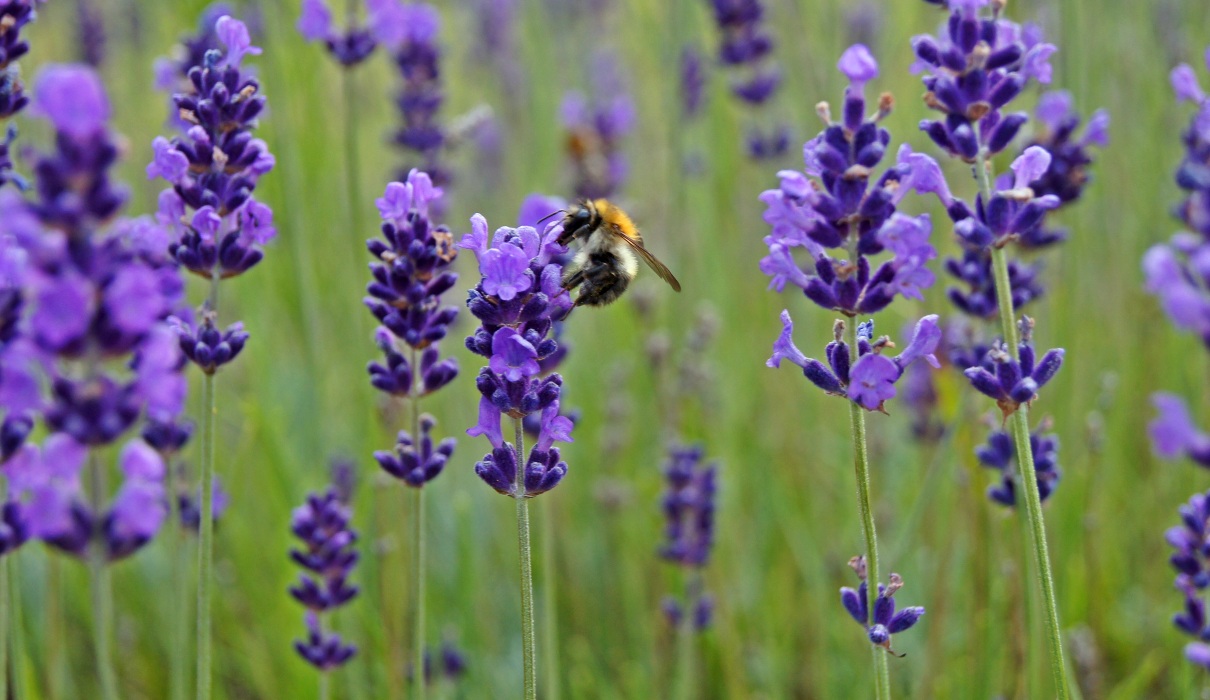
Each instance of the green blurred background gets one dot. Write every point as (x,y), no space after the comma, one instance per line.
(787,517)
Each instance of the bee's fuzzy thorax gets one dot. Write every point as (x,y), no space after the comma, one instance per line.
(611,214)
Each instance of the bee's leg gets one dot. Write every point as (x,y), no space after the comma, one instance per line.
(573,279)
(602,284)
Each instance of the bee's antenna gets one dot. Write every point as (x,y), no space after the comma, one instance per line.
(558,211)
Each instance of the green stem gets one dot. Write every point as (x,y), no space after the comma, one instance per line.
(17,644)
(352,157)
(418,679)
(527,573)
(101,587)
(177,617)
(54,623)
(325,685)
(861,464)
(5,621)
(550,620)
(205,521)
(685,636)
(1019,424)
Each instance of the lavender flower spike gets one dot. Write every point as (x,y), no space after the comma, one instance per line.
(517,300)
(886,620)
(327,558)
(350,47)
(870,381)
(1014,382)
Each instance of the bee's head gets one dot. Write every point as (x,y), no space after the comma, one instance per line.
(578,218)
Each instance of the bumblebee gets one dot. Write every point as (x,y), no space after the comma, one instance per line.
(610,248)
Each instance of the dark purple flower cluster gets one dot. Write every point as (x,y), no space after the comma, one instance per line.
(1176,272)
(886,620)
(327,558)
(1014,382)
(518,298)
(746,49)
(412,272)
(595,126)
(693,81)
(216,228)
(1191,559)
(975,69)
(840,209)
(90,33)
(688,506)
(357,42)
(96,296)
(410,31)
(14,15)
(999,453)
(451,664)
(870,381)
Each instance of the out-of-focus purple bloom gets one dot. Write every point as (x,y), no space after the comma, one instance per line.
(688,506)
(90,33)
(350,47)
(410,33)
(870,381)
(595,126)
(746,49)
(999,453)
(693,81)
(327,557)
(514,336)
(886,621)
(1173,432)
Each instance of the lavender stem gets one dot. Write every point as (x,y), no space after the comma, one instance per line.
(527,575)
(100,584)
(1019,424)
(6,630)
(418,680)
(177,616)
(550,620)
(205,518)
(54,624)
(861,464)
(685,635)
(17,643)
(352,161)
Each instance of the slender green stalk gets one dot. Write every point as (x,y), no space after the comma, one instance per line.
(686,635)
(5,624)
(17,643)
(325,685)
(550,619)
(418,679)
(101,587)
(352,157)
(1019,424)
(861,464)
(418,685)
(177,617)
(205,539)
(56,651)
(527,572)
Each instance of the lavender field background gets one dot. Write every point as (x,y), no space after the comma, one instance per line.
(658,366)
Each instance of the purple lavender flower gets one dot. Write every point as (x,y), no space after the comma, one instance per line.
(90,33)
(839,209)
(1173,432)
(870,381)
(409,32)
(412,272)
(974,71)
(350,47)
(693,81)
(1192,573)
(1014,382)
(218,227)
(886,620)
(974,270)
(517,319)
(451,660)
(746,49)
(327,558)
(688,506)
(595,125)
(1000,454)
(1177,272)
(14,15)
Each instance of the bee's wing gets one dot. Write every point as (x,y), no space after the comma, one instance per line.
(636,244)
